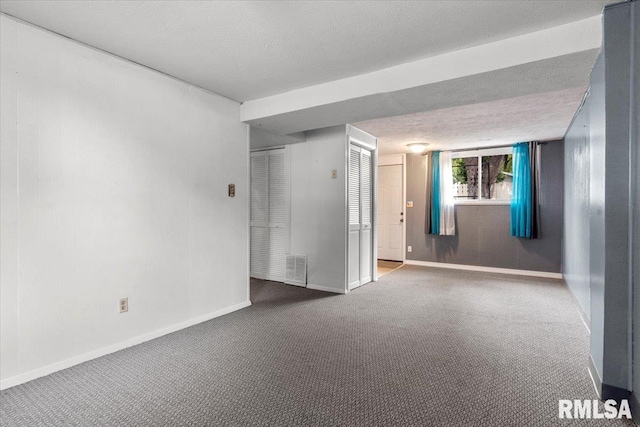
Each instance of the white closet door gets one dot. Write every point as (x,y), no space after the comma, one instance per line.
(366,236)
(360,216)
(259,214)
(354,216)
(277,224)
(269,214)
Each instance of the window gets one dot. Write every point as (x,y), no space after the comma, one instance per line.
(491,182)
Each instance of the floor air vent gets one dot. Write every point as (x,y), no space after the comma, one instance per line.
(296,270)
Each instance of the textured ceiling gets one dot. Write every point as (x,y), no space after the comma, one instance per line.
(541,116)
(248,50)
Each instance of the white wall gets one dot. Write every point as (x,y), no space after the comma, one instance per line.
(261,139)
(318,207)
(113,183)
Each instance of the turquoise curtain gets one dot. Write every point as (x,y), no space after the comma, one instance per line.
(435,192)
(521,199)
(428,192)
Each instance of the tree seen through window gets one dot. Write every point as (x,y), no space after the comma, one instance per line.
(496,175)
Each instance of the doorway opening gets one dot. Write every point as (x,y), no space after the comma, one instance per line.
(386,267)
(391,213)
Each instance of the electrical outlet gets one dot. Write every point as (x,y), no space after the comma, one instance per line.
(410,204)
(124,305)
(409,249)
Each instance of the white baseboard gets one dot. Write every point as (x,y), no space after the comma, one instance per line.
(64,364)
(325,289)
(530,273)
(302,285)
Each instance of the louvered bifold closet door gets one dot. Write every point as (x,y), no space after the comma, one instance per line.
(366,236)
(277,224)
(354,216)
(259,215)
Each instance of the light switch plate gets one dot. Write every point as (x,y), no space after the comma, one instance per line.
(410,204)
(334,174)
(409,249)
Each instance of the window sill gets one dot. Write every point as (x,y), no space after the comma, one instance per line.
(483,202)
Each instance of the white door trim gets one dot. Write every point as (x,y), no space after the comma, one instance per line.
(388,160)
(404,207)
(374,215)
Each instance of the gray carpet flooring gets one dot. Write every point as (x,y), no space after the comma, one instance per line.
(421,347)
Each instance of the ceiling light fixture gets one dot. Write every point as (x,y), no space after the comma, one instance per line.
(417,147)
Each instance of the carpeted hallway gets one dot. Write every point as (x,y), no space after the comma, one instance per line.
(420,347)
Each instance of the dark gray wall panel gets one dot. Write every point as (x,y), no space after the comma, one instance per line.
(597,153)
(635,154)
(576,242)
(610,119)
(617,45)
(482,231)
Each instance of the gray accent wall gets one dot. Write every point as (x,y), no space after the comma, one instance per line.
(482,231)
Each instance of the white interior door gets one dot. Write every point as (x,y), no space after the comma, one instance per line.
(390,212)
(269,219)
(360,216)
